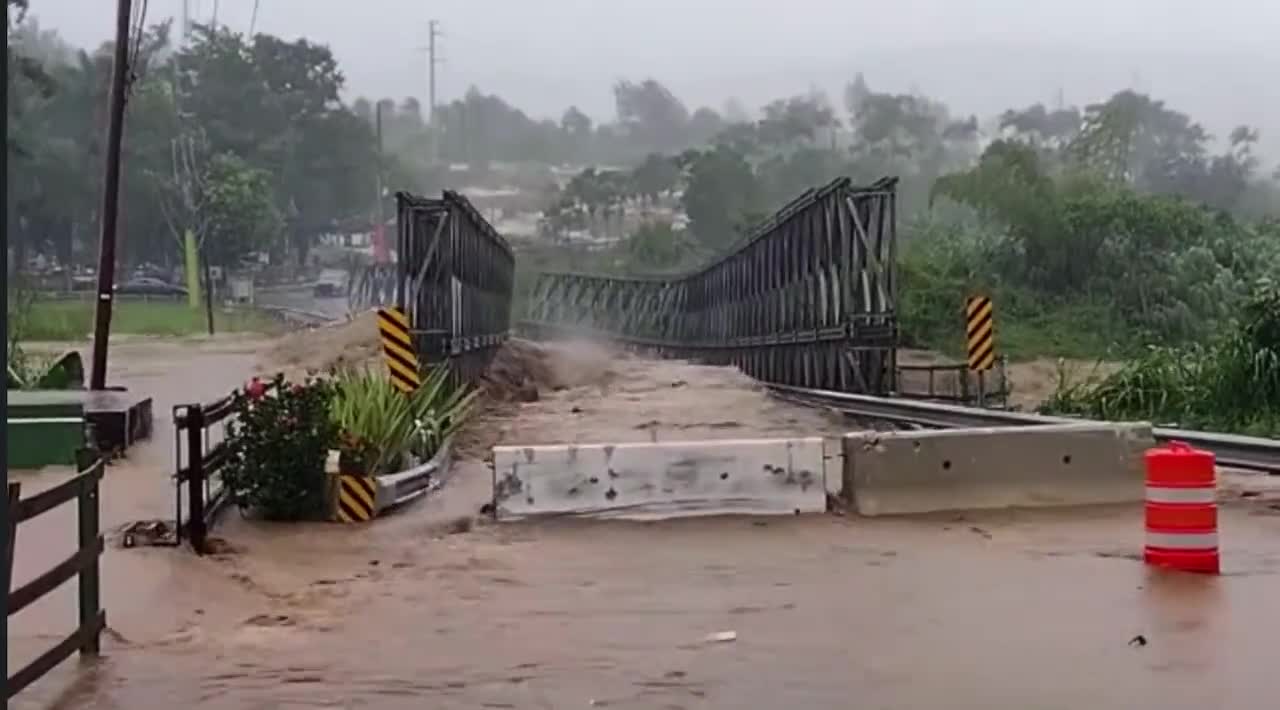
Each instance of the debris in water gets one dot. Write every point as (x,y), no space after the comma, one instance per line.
(147,532)
(980,531)
(721,637)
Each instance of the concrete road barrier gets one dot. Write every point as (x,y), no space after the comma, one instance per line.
(888,473)
(660,480)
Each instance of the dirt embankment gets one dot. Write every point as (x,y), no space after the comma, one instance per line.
(318,350)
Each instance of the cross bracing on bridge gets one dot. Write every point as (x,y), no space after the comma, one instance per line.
(454,278)
(808,298)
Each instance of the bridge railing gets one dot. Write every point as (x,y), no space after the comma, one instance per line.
(955,383)
(454,278)
(807,299)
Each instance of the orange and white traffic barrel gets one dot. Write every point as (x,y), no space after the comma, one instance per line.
(1182,509)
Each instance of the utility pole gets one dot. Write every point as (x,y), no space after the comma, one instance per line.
(380,255)
(110,198)
(433,31)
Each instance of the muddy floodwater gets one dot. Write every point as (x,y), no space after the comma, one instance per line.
(435,608)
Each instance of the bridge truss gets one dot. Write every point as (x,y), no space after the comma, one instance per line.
(807,299)
(454,278)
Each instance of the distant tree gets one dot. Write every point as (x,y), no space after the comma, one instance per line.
(704,125)
(655,176)
(240,214)
(722,194)
(1048,131)
(654,118)
(655,246)
(576,123)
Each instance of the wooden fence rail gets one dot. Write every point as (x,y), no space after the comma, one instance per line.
(83,563)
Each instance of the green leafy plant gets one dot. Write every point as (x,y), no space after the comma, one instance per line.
(380,427)
(1231,383)
(276,449)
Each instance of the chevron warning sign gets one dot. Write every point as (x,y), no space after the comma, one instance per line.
(357,499)
(980,333)
(397,348)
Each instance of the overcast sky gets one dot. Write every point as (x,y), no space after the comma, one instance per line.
(1218,59)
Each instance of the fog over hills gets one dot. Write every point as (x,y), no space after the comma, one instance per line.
(1216,61)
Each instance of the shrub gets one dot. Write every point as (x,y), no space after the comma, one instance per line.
(379,427)
(277,444)
(1231,383)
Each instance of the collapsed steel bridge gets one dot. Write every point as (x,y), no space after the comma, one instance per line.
(808,298)
(454,278)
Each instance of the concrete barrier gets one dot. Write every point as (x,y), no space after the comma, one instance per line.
(661,480)
(887,473)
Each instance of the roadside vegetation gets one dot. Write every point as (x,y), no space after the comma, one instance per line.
(68,321)
(284,431)
(1230,383)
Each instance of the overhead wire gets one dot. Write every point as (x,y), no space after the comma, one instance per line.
(137,25)
(253,19)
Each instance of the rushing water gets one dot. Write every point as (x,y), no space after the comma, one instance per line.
(988,611)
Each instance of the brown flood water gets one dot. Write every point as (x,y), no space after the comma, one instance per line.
(1000,610)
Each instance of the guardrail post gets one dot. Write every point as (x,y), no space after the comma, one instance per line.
(195,477)
(90,600)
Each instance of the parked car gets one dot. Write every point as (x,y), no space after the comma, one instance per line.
(149,286)
(331,284)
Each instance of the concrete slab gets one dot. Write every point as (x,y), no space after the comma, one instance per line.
(661,480)
(888,473)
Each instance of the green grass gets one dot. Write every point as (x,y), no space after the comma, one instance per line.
(73,320)
(1024,331)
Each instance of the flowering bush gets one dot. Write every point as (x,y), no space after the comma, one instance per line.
(276,445)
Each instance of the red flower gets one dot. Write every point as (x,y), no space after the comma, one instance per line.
(256,389)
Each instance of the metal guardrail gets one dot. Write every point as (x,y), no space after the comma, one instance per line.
(1233,451)
(396,489)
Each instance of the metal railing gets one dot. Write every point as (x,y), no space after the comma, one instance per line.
(200,479)
(954,382)
(1243,452)
(84,563)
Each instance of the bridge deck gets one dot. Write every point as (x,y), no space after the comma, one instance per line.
(593,394)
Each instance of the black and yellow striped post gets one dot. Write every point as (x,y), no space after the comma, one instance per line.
(356,499)
(397,348)
(980,333)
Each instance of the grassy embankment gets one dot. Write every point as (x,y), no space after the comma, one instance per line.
(73,320)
